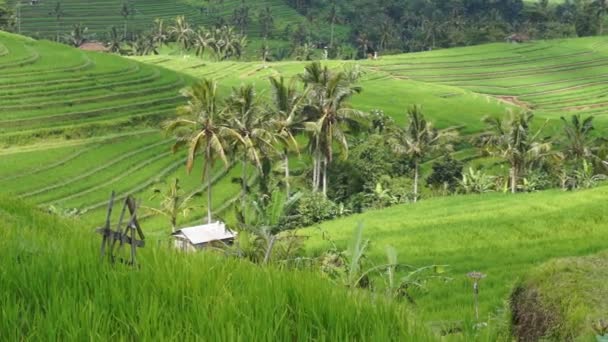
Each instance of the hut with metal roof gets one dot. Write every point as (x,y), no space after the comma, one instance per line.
(199,237)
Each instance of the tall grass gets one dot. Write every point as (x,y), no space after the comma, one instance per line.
(54,287)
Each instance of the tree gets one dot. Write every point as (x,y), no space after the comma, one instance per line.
(5,18)
(202,40)
(330,114)
(58,13)
(159,32)
(288,119)
(579,142)
(251,123)
(173,203)
(601,10)
(78,35)
(513,140)
(419,139)
(181,32)
(115,40)
(266,20)
(125,12)
(203,126)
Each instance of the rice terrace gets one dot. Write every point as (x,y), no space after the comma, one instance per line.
(289,170)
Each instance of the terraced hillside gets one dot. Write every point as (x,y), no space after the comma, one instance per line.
(77,125)
(98,16)
(553,78)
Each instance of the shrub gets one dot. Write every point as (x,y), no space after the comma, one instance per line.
(447,173)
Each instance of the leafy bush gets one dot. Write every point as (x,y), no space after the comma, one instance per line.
(314,208)
(447,173)
(476,182)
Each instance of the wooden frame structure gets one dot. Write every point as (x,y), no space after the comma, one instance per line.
(131,234)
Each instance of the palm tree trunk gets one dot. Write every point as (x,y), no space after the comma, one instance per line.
(513,180)
(416,176)
(243,183)
(208,192)
(331,36)
(286,161)
(325,162)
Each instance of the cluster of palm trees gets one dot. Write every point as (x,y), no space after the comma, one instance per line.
(222,42)
(242,128)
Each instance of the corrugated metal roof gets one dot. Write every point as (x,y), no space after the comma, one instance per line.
(216,231)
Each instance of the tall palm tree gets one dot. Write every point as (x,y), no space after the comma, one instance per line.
(601,10)
(58,13)
(288,119)
(159,32)
(115,40)
(202,40)
(328,95)
(513,140)
(125,11)
(181,32)
(579,143)
(203,126)
(266,20)
(419,139)
(252,125)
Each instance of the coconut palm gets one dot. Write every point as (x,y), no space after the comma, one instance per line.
(202,41)
(203,126)
(579,143)
(266,20)
(419,139)
(115,40)
(159,32)
(181,32)
(601,10)
(58,13)
(288,119)
(327,106)
(252,125)
(513,140)
(125,12)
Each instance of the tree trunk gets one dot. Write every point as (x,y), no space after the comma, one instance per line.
(416,176)
(243,183)
(125,34)
(286,161)
(331,36)
(601,25)
(513,180)
(314,173)
(325,162)
(208,192)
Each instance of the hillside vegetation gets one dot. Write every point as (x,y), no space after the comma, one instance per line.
(500,235)
(40,20)
(563,299)
(54,287)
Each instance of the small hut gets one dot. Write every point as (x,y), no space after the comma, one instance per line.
(199,237)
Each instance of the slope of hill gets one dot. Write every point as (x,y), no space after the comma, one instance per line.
(40,21)
(501,235)
(553,78)
(54,287)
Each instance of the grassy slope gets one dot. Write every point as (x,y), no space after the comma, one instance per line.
(500,235)
(53,287)
(99,15)
(569,294)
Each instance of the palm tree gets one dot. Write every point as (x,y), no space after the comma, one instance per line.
(513,140)
(203,126)
(328,95)
(601,10)
(202,40)
(419,139)
(173,203)
(58,13)
(125,12)
(181,32)
(579,143)
(251,123)
(333,19)
(266,20)
(115,40)
(288,119)
(159,32)
(78,35)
